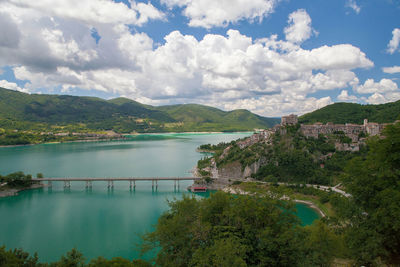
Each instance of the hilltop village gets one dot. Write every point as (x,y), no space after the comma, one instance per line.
(244,158)
(356,132)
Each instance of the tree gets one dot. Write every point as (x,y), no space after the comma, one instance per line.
(18,179)
(73,258)
(117,262)
(226,230)
(17,258)
(374,182)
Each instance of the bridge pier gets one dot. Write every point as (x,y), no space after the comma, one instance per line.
(88,184)
(110,180)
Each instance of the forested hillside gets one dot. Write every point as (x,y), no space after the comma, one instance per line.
(22,111)
(353,113)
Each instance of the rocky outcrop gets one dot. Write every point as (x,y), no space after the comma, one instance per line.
(253,168)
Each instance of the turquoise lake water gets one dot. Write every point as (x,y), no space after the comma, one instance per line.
(99,221)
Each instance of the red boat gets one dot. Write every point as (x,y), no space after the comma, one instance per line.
(198,189)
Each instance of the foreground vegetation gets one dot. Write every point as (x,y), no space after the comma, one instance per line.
(73,258)
(226,230)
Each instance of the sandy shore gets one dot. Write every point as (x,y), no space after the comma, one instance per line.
(238,191)
(311,205)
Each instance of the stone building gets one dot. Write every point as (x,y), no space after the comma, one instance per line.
(352,131)
(289,120)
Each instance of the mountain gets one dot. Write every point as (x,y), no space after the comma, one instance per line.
(354,113)
(119,114)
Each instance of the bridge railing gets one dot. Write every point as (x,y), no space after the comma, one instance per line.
(110,180)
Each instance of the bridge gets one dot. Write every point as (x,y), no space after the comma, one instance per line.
(132,180)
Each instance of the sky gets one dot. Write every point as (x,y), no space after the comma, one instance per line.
(272,57)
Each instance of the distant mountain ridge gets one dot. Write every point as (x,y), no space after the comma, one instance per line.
(353,113)
(120,114)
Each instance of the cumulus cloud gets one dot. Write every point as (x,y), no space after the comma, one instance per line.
(370,86)
(378,98)
(93,11)
(228,72)
(383,91)
(353,5)
(299,28)
(391,70)
(210,13)
(268,76)
(394,43)
(344,96)
(12,86)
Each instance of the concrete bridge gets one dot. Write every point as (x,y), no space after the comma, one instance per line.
(132,180)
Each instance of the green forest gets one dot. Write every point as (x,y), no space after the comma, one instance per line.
(61,113)
(353,113)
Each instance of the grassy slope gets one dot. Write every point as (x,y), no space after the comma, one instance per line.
(354,113)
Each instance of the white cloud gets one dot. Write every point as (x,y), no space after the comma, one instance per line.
(383,91)
(378,98)
(268,76)
(227,72)
(391,70)
(67,51)
(370,86)
(353,5)
(12,86)
(333,79)
(93,11)
(210,13)
(394,43)
(299,28)
(344,96)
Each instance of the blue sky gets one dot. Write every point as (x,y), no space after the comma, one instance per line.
(273,57)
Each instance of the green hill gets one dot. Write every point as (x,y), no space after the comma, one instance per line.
(204,118)
(354,113)
(26,112)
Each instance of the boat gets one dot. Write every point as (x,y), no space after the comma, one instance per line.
(196,189)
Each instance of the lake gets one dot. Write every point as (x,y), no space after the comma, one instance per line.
(99,221)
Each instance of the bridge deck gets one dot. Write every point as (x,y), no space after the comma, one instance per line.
(68,179)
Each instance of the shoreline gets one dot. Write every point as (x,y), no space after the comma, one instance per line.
(190,133)
(14,191)
(312,205)
(61,142)
(117,139)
